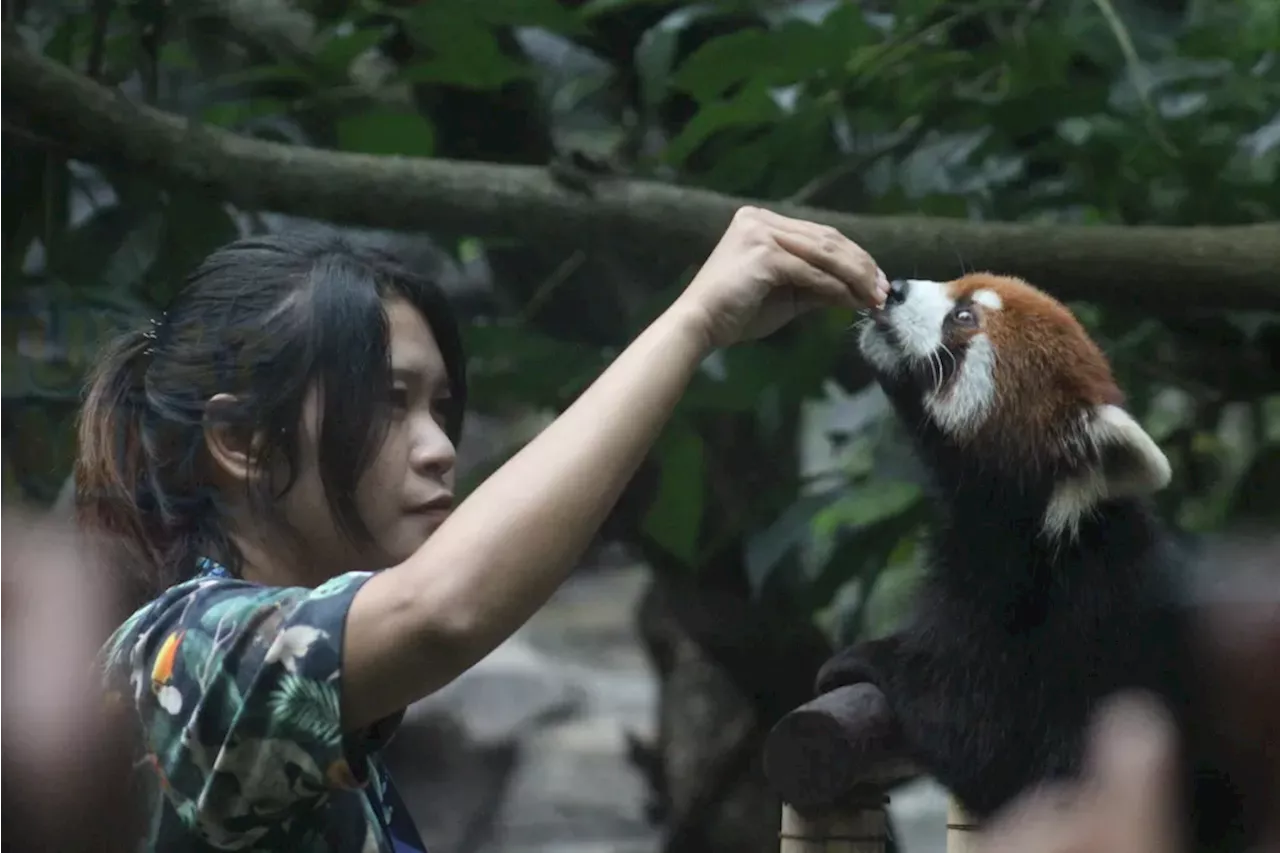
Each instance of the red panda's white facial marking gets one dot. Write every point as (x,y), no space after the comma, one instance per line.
(1010,375)
(926,331)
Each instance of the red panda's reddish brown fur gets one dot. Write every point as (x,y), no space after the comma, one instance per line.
(1047,367)
(1048,364)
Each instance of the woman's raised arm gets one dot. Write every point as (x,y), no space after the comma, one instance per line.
(416,626)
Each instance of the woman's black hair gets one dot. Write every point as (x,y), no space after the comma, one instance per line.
(263,319)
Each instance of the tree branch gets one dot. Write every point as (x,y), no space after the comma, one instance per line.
(1163,267)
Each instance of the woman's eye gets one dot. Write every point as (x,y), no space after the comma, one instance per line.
(399,398)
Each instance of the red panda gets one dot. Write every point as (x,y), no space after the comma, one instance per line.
(1051,582)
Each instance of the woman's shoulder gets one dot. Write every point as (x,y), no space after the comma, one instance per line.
(205,609)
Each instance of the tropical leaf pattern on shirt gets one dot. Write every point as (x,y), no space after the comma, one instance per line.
(307,706)
(237,693)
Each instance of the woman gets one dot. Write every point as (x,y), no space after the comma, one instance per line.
(276,456)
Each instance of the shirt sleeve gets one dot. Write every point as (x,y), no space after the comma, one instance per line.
(238,690)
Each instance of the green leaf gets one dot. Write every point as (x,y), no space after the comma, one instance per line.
(910,14)
(1255,496)
(545,14)
(44,437)
(53,335)
(283,72)
(846,27)
(596,8)
(472,70)
(194,225)
(867,503)
(509,362)
(386,130)
(340,50)
(87,248)
(751,107)
(766,549)
(742,375)
(739,166)
(674,520)
(135,256)
(893,591)
(862,556)
(723,62)
(233,115)
(462,50)
(802,145)
(794,52)
(805,51)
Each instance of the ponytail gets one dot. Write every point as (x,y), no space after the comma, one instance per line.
(111,460)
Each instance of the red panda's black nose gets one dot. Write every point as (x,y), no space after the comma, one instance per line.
(897,291)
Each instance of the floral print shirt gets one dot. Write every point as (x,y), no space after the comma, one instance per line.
(236,687)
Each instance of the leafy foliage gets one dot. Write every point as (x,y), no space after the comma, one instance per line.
(1122,112)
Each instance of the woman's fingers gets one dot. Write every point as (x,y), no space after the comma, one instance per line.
(841,259)
(811,285)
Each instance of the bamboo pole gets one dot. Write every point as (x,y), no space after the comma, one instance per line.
(858,827)
(962,830)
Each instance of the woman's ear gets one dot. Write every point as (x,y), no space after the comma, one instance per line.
(230,446)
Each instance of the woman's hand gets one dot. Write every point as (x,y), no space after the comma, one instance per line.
(767,269)
(66,753)
(1126,802)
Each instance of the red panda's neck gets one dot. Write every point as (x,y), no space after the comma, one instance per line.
(977,492)
(983,555)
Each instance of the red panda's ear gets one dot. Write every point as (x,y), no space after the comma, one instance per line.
(1130,464)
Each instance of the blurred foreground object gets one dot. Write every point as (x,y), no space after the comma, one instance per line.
(1125,803)
(66,758)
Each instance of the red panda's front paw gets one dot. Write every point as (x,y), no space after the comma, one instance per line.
(852,665)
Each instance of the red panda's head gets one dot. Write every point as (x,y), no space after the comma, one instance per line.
(1009,384)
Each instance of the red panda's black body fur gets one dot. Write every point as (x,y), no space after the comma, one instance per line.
(1023,625)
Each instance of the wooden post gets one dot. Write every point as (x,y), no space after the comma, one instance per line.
(830,762)
(847,740)
(857,827)
(962,830)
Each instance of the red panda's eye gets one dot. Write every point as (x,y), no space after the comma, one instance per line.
(964,317)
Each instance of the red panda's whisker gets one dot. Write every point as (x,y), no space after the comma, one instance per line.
(935,367)
(955,365)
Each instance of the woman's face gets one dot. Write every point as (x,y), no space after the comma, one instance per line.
(407,490)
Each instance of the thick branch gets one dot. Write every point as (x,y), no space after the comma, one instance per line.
(1162,267)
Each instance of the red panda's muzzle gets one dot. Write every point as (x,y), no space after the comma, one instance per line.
(929,342)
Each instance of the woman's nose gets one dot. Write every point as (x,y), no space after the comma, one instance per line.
(432,449)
